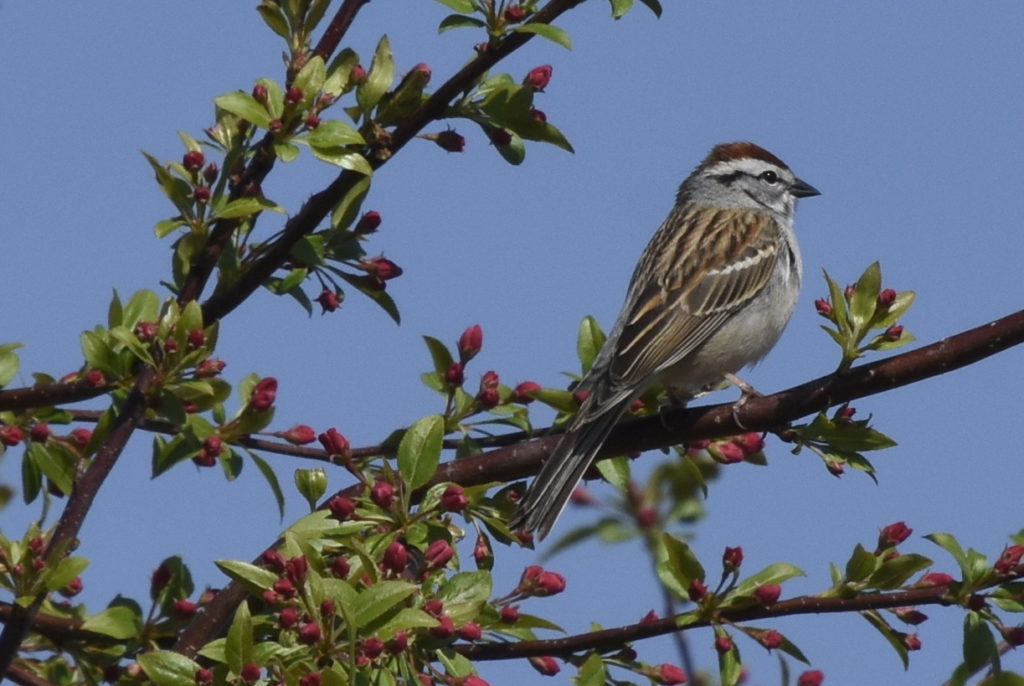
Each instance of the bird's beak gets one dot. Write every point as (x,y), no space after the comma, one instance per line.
(802,189)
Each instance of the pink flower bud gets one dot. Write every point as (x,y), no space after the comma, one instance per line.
(481,550)
(522,392)
(732,558)
(39,433)
(368,223)
(434,606)
(193,160)
(335,443)
(726,453)
(549,583)
(750,443)
(399,643)
(438,554)
(311,121)
(381,267)
(539,77)
(767,594)
(274,561)
(470,632)
(203,677)
(396,557)
(285,588)
(887,297)
(824,307)
(293,95)
(723,644)
(264,394)
(95,378)
(470,343)
(509,614)
(450,141)
(329,300)
(445,627)
(145,331)
(311,679)
(455,376)
(812,677)
(910,615)
(383,494)
(259,93)
(73,588)
(935,579)
(488,397)
(893,333)
(667,674)
(454,499)
(893,534)
(340,567)
(297,568)
(201,194)
(580,396)
(11,435)
(911,642)
(423,68)
(697,590)
(358,74)
(545,665)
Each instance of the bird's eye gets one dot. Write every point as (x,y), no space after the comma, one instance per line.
(769,177)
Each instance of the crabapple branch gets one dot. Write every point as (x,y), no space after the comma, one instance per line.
(337,28)
(44,395)
(609,639)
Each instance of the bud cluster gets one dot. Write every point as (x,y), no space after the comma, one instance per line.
(729,450)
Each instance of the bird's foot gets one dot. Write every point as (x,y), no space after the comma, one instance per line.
(746,393)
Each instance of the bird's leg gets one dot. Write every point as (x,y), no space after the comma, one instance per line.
(746,392)
(676,401)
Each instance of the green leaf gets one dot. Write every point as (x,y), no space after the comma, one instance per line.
(274,17)
(339,73)
(117,622)
(244,207)
(440,354)
(244,106)
(168,668)
(461,6)
(271,478)
(589,342)
(979,644)
(286,151)
(9,362)
(333,133)
(238,648)
(949,543)
(563,401)
(592,672)
(1003,679)
(31,480)
(515,152)
(464,594)
(143,306)
(379,78)
(681,563)
(861,564)
(256,579)
(344,158)
(458,21)
(894,637)
(345,212)
(895,572)
(552,33)
(56,578)
(378,599)
(420,450)
(615,471)
(865,297)
(56,461)
(620,7)
(772,574)
(311,77)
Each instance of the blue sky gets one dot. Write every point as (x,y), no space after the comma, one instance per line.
(905,115)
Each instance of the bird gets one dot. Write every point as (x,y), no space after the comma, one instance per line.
(711,294)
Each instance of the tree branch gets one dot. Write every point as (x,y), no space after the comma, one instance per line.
(336,30)
(613,639)
(46,395)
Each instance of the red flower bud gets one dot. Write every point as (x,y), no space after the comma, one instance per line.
(893,333)
(335,443)
(341,507)
(1014,635)
(893,534)
(454,499)
(39,433)
(329,300)
(470,343)
(288,617)
(73,588)
(285,588)
(203,677)
(193,160)
(297,568)
(514,14)
(887,297)
(488,397)
(340,567)
(274,561)
(522,392)
(368,223)
(824,307)
(251,672)
(455,376)
(545,665)
(311,679)
(311,121)
(771,639)
(911,642)
(209,368)
(264,394)
(161,577)
(935,579)
(438,554)
(812,677)
(580,396)
(445,627)
(1009,559)
(509,614)
(727,453)
(697,590)
(383,494)
(399,643)
(184,609)
(310,633)
(395,557)
(750,443)
(732,558)
(210,172)
(549,583)
(201,194)
(372,647)
(300,434)
(910,615)
(845,413)
(145,331)
(434,607)
(358,74)
(723,644)
(539,77)
(293,95)
(767,594)
(196,338)
(81,437)
(470,632)
(381,267)
(259,93)
(450,141)
(11,435)
(423,68)
(538,114)
(499,136)
(95,378)
(667,674)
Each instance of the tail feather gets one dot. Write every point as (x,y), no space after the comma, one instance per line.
(551,489)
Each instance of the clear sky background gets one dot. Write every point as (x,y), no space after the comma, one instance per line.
(907,116)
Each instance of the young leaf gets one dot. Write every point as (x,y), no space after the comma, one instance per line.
(420,450)
(244,106)
(379,78)
(552,33)
(168,668)
(589,342)
(256,579)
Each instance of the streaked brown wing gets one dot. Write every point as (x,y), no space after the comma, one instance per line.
(677,303)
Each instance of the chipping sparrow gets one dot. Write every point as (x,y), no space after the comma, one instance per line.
(712,292)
